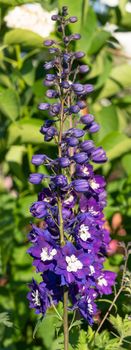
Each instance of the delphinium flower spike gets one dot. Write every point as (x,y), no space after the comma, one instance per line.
(70,250)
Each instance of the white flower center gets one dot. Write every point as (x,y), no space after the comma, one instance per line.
(73,264)
(102,281)
(92,270)
(93,184)
(46,255)
(85,170)
(92,211)
(84,232)
(90,308)
(69,200)
(35,297)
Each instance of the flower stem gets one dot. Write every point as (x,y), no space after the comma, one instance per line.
(65,320)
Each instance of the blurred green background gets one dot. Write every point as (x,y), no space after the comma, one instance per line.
(105,27)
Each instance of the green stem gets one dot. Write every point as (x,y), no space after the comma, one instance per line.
(65,320)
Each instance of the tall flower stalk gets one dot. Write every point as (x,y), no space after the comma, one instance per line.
(70,250)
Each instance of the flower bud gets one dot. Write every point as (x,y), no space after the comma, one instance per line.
(87,119)
(64,162)
(72,141)
(83,69)
(38,159)
(99,155)
(49,42)
(35,178)
(80,158)
(73,19)
(80,185)
(94,128)
(79,54)
(44,106)
(74,109)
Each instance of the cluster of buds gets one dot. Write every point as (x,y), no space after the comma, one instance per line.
(70,250)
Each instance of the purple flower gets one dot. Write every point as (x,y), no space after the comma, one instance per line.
(105,282)
(38,297)
(72,264)
(70,248)
(38,209)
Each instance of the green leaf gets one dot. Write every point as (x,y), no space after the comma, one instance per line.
(9,103)
(4,319)
(88,27)
(106,68)
(126,162)
(99,39)
(25,131)
(120,77)
(24,37)
(28,73)
(15,154)
(116,144)
(108,119)
(123,326)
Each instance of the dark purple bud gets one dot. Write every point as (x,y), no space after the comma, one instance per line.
(77,87)
(38,209)
(83,69)
(73,19)
(54,109)
(60,180)
(72,141)
(35,178)
(88,88)
(49,42)
(67,57)
(64,162)
(50,133)
(87,119)
(38,159)
(55,17)
(52,94)
(87,145)
(44,106)
(76,132)
(94,127)
(75,36)
(65,84)
(79,54)
(64,11)
(74,109)
(59,28)
(80,158)
(49,65)
(66,39)
(81,104)
(80,185)
(99,155)
(50,77)
(48,123)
